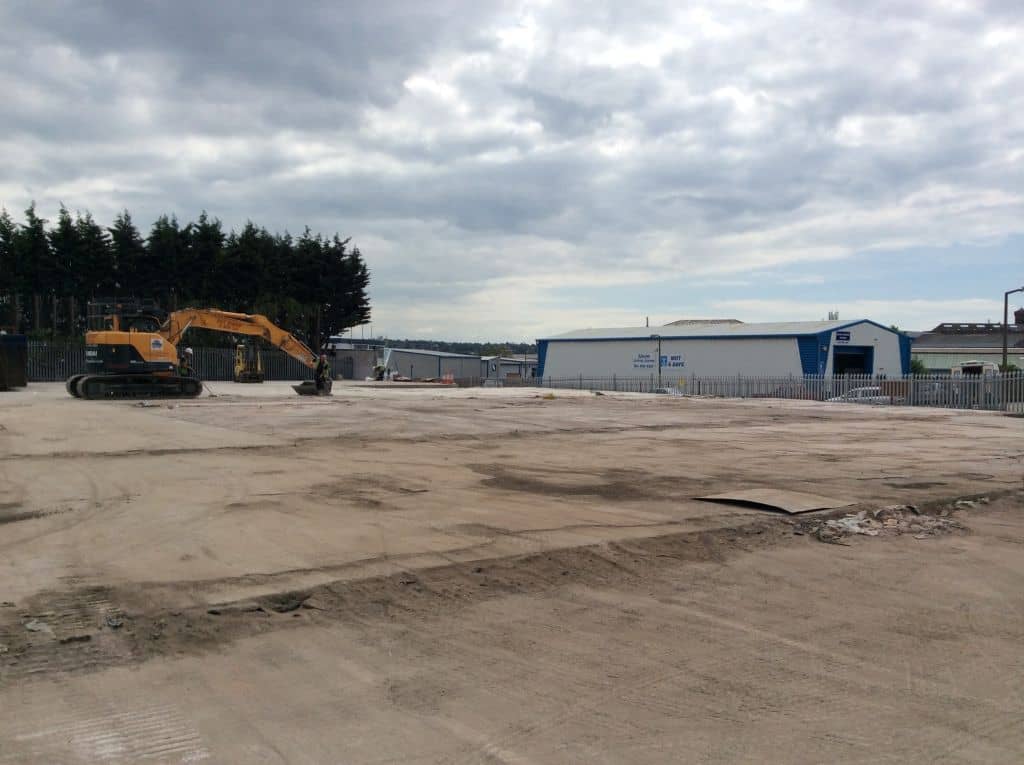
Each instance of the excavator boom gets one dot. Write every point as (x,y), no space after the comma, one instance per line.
(253,325)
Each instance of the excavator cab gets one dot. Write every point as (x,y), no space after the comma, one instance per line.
(123,338)
(126,356)
(248,363)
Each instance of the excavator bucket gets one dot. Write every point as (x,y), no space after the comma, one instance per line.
(308,388)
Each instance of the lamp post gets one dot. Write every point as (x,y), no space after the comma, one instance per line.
(658,338)
(1006,322)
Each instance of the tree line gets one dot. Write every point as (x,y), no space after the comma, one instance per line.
(471,349)
(312,285)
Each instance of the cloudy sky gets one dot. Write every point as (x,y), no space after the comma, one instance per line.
(512,170)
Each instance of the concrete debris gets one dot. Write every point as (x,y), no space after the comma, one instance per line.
(145,404)
(3,648)
(114,622)
(34,625)
(892,520)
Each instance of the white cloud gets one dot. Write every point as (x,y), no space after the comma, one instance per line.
(497,157)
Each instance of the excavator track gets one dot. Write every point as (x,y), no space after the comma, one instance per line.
(71,385)
(133,386)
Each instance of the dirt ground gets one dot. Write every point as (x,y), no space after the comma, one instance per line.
(503,576)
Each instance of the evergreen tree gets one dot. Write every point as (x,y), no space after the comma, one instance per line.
(97,268)
(34,259)
(203,250)
(64,248)
(312,286)
(128,252)
(163,274)
(238,275)
(8,276)
(245,258)
(309,271)
(343,297)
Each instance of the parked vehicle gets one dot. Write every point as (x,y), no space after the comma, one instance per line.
(869,395)
(933,394)
(974,369)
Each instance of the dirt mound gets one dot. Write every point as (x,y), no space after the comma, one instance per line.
(88,628)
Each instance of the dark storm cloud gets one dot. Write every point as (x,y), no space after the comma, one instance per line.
(492,140)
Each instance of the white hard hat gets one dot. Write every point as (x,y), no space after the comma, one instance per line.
(188,351)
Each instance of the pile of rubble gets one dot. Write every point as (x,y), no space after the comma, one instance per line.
(892,520)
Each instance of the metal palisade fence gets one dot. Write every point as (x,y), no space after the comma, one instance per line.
(55,362)
(999,392)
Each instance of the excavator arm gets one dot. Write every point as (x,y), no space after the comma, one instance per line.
(253,325)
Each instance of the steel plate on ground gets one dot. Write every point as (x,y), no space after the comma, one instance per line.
(778,499)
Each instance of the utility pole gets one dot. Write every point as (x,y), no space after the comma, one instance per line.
(1006,327)
(658,338)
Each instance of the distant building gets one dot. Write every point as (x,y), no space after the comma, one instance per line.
(719,348)
(953,343)
(351,360)
(508,367)
(417,364)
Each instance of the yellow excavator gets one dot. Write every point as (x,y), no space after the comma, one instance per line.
(248,363)
(131,353)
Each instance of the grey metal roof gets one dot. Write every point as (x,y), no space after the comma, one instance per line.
(724,329)
(941,340)
(689,322)
(945,359)
(425,352)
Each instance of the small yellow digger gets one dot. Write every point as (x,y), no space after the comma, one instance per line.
(248,364)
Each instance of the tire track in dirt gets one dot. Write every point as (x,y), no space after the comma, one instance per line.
(100,732)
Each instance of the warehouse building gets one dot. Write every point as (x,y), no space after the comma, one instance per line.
(419,364)
(508,368)
(727,347)
(953,343)
(351,360)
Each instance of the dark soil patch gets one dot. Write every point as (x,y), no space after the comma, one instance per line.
(614,485)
